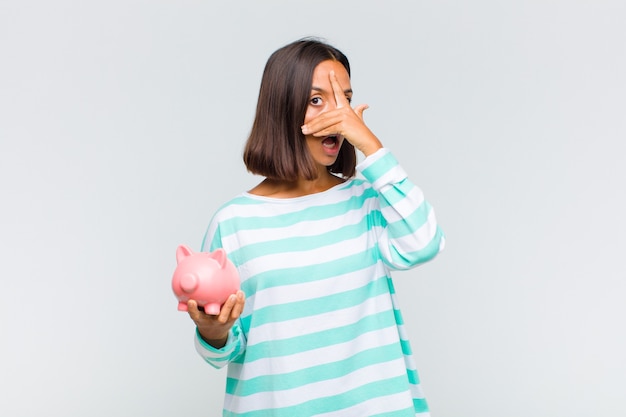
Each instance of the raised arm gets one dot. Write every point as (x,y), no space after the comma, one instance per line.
(408,232)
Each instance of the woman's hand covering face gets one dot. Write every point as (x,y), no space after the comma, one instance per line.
(345,121)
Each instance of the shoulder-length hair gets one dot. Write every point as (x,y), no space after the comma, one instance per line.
(276,147)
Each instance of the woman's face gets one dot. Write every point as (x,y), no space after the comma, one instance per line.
(325,150)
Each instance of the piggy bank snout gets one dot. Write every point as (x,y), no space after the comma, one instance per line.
(189,282)
(209,278)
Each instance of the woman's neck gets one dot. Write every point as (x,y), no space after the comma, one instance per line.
(298,188)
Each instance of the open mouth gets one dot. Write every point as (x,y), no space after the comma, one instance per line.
(330,141)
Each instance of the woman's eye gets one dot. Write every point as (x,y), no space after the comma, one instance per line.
(316,100)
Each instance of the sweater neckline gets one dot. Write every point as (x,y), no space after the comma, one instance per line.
(286,200)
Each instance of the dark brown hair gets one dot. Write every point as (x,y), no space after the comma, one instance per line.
(276,147)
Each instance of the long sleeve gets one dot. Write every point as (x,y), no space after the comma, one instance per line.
(236,343)
(408,231)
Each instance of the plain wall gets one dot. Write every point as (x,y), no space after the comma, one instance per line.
(121,130)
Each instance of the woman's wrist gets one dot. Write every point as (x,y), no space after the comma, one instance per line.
(369,147)
(216,342)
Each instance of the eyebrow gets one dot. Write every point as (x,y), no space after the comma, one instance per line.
(321,90)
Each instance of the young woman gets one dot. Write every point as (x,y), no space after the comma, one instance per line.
(316,329)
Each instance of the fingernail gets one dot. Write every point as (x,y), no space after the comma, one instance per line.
(304,129)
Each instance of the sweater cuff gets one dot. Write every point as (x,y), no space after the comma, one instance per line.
(229,346)
(381,168)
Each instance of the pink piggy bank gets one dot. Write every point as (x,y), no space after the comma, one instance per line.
(208,278)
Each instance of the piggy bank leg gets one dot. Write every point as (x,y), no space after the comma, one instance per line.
(212,309)
(182,306)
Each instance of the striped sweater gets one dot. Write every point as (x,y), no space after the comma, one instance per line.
(321,333)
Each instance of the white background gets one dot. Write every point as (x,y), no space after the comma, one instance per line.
(121,130)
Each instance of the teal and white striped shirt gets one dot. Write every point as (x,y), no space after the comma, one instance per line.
(321,333)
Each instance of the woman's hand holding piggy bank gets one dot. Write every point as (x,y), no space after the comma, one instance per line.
(207,278)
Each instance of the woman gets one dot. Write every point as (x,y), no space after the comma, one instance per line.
(316,329)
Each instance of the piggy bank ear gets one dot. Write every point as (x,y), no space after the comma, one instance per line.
(220,256)
(182,252)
